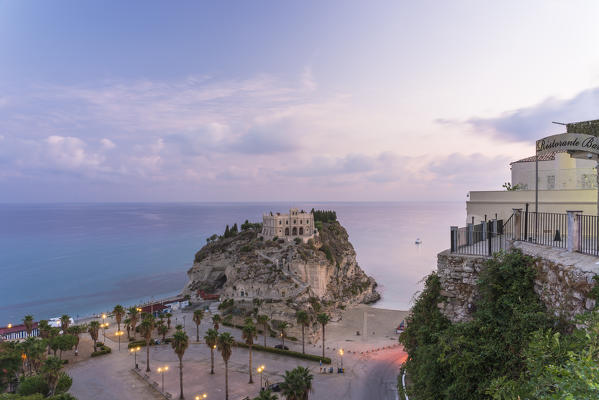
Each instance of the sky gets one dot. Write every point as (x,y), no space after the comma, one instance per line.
(284,101)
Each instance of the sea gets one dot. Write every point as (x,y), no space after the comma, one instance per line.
(81,259)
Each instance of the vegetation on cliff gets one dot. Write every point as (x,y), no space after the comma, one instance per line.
(512,347)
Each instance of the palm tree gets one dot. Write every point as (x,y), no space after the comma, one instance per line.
(94,329)
(263,320)
(180,343)
(134,317)
(127,322)
(266,395)
(283,328)
(211,339)
(51,371)
(197,318)
(168,319)
(119,312)
(303,319)
(44,329)
(65,321)
(297,384)
(162,329)
(75,330)
(28,321)
(249,334)
(216,320)
(145,328)
(225,345)
(323,319)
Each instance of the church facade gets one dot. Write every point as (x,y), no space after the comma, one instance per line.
(296,224)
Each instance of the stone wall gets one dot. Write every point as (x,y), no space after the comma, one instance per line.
(564,280)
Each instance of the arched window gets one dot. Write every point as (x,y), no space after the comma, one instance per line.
(286,231)
(301,230)
(294,232)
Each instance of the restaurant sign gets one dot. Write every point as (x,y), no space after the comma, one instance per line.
(568,142)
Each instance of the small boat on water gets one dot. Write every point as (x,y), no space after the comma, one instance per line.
(418,241)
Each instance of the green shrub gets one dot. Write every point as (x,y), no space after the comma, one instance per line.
(103,350)
(64,383)
(246,248)
(297,240)
(274,239)
(462,360)
(33,384)
(290,353)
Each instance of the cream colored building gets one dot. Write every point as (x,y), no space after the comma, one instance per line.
(557,171)
(296,224)
(565,183)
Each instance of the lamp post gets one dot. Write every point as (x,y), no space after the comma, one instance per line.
(134,350)
(119,334)
(104,326)
(203,396)
(341,354)
(260,369)
(162,370)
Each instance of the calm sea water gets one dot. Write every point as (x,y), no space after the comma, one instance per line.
(84,258)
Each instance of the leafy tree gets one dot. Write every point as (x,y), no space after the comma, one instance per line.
(179,344)
(134,318)
(51,372)
(65,321)
(28,322)
(127,322)
(211,339)
(464,360)
(297,384)
(283,329)
(145,328)
(216,320)
(162,330)
(75,331)
(93,330)
(303,319)
(249,333)
(266,395)
(44,329)
(225,345)
(198,315)
(119,312)
(168,319)
(227,232)
(323,319)
(263,320)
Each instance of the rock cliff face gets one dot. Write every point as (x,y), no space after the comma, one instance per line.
(564,281)
(246,267)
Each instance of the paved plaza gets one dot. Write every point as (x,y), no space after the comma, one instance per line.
(372,374)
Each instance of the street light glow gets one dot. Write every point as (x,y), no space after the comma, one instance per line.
(103,316)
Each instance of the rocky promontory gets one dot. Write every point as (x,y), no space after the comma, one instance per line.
(281,276)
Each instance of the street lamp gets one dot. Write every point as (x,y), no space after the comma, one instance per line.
(119,334)
(134,350)
(341,354)
(201,397)
(9,326)
(104,326)
(260,369)
(162,370)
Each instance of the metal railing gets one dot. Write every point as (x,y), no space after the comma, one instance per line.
(481,239)
(588,231)
(547,229)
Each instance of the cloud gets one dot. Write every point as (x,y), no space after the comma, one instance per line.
(531,123)
(107,143)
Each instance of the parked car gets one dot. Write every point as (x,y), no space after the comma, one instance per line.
(281,347)
(275,387)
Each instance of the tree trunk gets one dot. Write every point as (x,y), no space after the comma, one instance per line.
(211,361)
(148,355)
(251,381)
(197,332)
(181,377)
(303,349)
(226,380)
(265,329)
(323,341)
